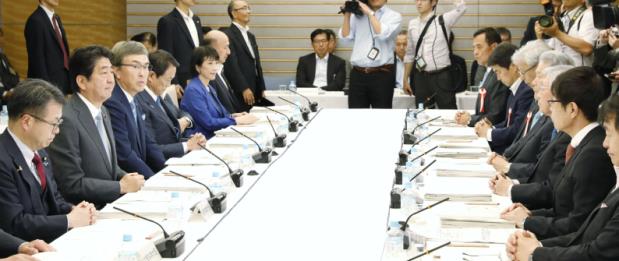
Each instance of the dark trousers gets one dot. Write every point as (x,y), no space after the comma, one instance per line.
(434,87)
(373,90)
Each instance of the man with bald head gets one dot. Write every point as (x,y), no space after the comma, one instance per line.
(225,92)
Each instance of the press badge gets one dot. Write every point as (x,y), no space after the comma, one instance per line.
(373,53)
(421,63)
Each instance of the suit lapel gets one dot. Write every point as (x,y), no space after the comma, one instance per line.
(20,163)
(609,200)
(153,106)
(50,27)
(181,23)
(239,38)
(331,69)
(312,68)
(569,165)
(85,119)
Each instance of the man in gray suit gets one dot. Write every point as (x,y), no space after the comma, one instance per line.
(84,153)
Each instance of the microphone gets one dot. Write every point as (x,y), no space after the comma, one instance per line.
(409,137)
(263,155)
(313,105)
(420,111)
(404,225)
(236,175)
(170,246)
(403,156)
(304,111)
(398,170)
(430,251)
(280,139)
(216,201)
(422,170)
(427,136)
(292,124)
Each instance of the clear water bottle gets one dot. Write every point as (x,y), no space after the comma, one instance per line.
(411,198)
(422,116)
(411,121)
(4,116)
(292,86)
(175,213)
(394,244)
(218,184)
(246,160)
(297,110)
(127,250)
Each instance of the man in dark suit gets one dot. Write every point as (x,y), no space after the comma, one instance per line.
(46,43)
(598,237)
(588,174)
(243,68)
(501,135)
(8,76)
(31,204)
(492,95)
(84,153)
(164,122)
(179,32)
(136,149)
(220,42)
(321,69)
(17,249)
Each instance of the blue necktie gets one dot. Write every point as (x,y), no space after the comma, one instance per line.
(554,134)
(536,118)
(135,113)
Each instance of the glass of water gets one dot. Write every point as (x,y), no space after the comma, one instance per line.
(283,87)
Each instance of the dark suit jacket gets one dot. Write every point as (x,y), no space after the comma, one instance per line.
(596,239)
(137,151)
(525,154)
(163,125)
(336,72)
(9,244)
(45,57)
(173,36)
(241,69)
(505,132)
(494,102)
(27,211)
(80,160)
(583,183)
(226,95)
(536,191)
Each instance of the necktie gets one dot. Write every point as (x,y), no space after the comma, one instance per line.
(536,118)
(569,152)
(553,135)
(103,135)
(170,117)
(135,113)
(65,57)
(158,101)
(483,80)
(40,170)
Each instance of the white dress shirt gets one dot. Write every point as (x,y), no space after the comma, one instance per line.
(586,32)
(399,73)
(50,15)
(433,49)
(244,30)
(582,133)
(191,25)
(320,77)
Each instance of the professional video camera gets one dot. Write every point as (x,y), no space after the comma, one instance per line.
(352,6)
(605,14)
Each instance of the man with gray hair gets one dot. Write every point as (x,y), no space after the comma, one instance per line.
(136,149)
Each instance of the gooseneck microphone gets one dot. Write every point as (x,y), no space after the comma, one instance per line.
(304,111)
(404,225)
(409,137)
(263,155)
(170,246)
(313,105)
(236,175)
(422,170)
(216,201)
(280,139)
(293,125)
(403,156)
(427,136)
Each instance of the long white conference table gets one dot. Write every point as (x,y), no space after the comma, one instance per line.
(325,197)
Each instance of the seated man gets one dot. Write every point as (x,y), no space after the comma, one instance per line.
(533,188)
(588,174)
(501,135)
(137,151)
(164,122)
(201,100)
(83,153)
(492,95)
(321,69)
(31,204)
(598,237)
(11,245)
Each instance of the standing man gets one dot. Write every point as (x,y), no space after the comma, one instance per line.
(31,204)
(8,76)
(220,42)
(427,55)
(46,43)
(243,68)
(373,36)
(179,32)
(84,153)
(321,69)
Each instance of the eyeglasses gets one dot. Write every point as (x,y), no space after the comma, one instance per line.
(550,102)
(55,126)
(244,8)
(525,71)
(322,41)
(137,66)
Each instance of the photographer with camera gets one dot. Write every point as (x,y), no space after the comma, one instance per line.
(578,36)
(427,56)
(606,52)
(372,31)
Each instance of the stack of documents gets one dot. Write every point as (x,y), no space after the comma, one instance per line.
(150,204)
(479,235)
(458,189)
(251,131)
(454,133)
(475,222)
(453,170)
(461,153)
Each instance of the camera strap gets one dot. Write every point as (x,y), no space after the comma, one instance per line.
(423,33)
(576,16)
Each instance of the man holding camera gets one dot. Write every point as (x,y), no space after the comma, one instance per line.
(372,31)
(578,34)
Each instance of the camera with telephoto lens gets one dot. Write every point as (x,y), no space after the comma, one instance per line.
(352,6)
(545,21)
(605,14)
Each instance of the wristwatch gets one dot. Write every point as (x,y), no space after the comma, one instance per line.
(372,13)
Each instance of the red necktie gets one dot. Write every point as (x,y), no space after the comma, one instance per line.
(65,57)
(569,152)
(482,99)
(40,170)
